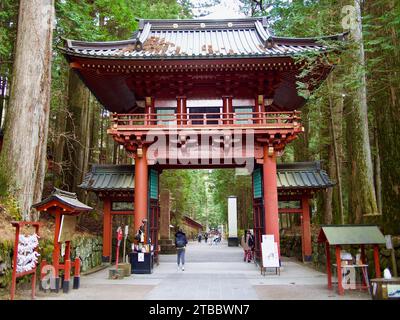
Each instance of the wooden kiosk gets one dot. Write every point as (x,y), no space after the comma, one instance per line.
(340,235)
(65,206)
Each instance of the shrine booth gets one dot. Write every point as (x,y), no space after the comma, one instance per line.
(340,236)
(115,186)
(65,207)
(297,184)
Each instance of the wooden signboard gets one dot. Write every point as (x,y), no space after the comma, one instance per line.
(67,228)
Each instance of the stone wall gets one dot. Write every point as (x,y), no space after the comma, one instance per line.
(291,247)
(89,248)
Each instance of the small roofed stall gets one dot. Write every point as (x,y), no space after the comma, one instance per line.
(299,181)
(62,203)
(340,235)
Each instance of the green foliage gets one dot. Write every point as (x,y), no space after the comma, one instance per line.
(8,21)
(11,207)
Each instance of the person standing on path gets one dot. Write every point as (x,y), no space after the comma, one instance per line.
(245,245)
(180,244)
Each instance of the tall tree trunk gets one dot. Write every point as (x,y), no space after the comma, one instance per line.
(363,200)
(80,125)
(23,158)
(335,117)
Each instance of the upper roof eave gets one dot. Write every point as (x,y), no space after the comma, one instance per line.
(186,57)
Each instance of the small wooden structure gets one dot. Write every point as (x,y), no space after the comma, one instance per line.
(62,203)
(18,225)
(340,235)
(191,227)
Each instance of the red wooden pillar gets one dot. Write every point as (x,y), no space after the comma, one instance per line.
(107,232)
(181,110)
(328,264)
(225,111)
(271,216)
(56,251)
(376,262)
(259,108)
(339,270)
(141,188)
(77,273)
(149,110)
(306,229)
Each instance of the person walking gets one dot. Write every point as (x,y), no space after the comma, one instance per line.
(206,237)
(245,245)
(199,237)
(180,244)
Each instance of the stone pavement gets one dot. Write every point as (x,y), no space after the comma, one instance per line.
(211,273)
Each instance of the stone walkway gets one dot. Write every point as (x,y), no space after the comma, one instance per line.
(213,273)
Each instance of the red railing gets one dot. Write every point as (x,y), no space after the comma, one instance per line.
(233,119)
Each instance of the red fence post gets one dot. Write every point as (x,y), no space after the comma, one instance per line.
(77,273)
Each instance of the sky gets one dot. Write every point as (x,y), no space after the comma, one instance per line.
(225,10)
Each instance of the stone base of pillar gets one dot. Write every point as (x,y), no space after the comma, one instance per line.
(233,242)
(166,246)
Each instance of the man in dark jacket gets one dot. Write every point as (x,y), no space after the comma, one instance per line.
(180,244)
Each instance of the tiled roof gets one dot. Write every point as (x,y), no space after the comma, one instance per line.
(109,178)
(351,234)
(298,175)
(68,198)
(186,39)
(302,175)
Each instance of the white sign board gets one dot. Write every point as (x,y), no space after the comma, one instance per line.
(389,244)
(232,217)
(269,251)
(267,237)
(140,257)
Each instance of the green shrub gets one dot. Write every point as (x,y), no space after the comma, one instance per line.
(11,207)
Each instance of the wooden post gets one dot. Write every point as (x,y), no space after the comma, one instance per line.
(141,188)
(56,251)
(67,275)
(271,216)
(225,116)
(181,110)
(328,264)
(229,109)
(376,262)
(77,273)
(362,247)
(260,108)
(149,110)
(306,229)
(107,230)
(339,270)
(14,272)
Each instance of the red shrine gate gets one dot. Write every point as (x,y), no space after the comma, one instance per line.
(201,94)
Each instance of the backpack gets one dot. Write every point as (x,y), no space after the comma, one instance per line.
(180,241)
(251,241)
